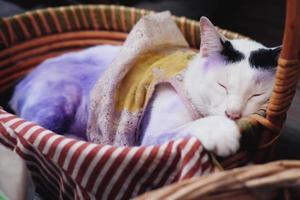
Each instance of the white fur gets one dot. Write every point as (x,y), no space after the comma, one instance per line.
(217,132)
(166,111)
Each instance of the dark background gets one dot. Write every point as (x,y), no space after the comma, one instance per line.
(261,20)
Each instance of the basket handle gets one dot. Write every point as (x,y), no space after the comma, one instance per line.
(288,69)
(286,79)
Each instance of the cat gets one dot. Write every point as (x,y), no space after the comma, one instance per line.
(226,80)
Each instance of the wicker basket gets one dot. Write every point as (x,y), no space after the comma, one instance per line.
(30,38)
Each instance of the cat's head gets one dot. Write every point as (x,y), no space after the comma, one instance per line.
(230,77)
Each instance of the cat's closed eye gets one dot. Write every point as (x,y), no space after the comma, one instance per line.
(223,86)
(255,95)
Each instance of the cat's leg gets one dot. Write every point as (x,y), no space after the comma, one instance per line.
(50,114)
(54,108)
(218,134)
(165,112)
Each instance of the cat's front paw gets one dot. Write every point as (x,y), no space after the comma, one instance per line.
(217,134)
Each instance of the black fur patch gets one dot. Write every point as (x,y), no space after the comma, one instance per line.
(232,55)
(265,59)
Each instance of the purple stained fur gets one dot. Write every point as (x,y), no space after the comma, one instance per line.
(213,61)
(56,94)
(160,138)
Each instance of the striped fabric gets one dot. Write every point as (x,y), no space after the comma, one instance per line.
(64,168)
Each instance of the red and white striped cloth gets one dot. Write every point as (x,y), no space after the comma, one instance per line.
(64,168)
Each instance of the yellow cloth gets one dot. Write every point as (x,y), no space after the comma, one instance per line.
(135,89)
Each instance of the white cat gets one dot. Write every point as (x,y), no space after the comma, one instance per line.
(227,80)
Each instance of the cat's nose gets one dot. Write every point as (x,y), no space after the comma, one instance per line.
(233,115)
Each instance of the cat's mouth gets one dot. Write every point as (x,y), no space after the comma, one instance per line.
(234,117)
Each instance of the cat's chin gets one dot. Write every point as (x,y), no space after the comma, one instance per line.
(214,113)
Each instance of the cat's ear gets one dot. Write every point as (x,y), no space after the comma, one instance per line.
(276,51)
(211,39)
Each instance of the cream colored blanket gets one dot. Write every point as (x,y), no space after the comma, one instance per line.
(154,52)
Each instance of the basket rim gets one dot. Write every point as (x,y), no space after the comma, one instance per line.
(182,22)
(252,180)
